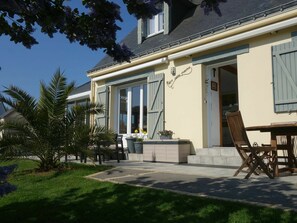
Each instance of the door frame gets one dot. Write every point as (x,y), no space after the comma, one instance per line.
(209,72)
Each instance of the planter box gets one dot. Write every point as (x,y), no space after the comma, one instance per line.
(135,157)
(173,150)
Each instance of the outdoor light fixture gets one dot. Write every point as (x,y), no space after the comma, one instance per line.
(173,71)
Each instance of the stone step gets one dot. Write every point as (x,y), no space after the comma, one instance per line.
(219,156)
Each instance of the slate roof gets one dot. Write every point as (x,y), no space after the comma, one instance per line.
(197,25)
(2,109)
(82,88)
(6,113)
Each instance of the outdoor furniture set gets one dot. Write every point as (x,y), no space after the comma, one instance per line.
(264,158)
(107,150)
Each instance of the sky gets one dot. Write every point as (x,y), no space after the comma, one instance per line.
(25,68)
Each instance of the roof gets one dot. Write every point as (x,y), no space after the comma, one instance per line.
(7,113)
(196,25)
(82,88)
(2,109)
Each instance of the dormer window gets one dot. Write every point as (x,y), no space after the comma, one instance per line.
(159,23)
(155,25)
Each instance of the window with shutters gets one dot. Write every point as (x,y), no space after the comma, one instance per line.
(155,25)
(284,60)
(132,108)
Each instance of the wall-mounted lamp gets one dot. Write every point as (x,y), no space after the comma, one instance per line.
(173,71)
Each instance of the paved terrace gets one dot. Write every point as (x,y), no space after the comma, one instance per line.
(205,181)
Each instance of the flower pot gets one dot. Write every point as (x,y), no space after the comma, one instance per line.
(165,137)
(130,144)
(138,147)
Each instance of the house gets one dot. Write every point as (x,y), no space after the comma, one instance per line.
(189,69)
(2,108)
(10,115)
(80,96)
(2,111)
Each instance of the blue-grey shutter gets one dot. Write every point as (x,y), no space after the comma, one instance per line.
(101,119)
(155,104)
(140,31)
(284,60)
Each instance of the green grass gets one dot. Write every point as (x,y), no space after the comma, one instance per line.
(66,196)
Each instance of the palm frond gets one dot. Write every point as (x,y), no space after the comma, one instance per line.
(21,102)
(48,130)
(17,139)
(97,108)
(53,97)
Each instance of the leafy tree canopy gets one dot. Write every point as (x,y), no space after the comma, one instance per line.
(95,28)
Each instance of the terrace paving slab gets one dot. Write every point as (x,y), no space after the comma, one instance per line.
(117,173)
(217,183)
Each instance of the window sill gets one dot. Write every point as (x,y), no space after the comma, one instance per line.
(154,34)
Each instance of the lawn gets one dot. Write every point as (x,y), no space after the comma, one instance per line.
(66,196)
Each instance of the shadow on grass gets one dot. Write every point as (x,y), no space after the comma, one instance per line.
(68,197)
(122,203)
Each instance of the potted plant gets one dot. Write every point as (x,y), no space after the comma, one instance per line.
(130,144)
(138,144)
(165,134)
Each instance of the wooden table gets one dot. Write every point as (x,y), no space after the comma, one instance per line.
(287,129)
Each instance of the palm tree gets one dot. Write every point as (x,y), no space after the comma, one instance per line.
(46,129)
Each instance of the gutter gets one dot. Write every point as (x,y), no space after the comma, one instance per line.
(132,69)
(79,96)
(205,44)
(236,38)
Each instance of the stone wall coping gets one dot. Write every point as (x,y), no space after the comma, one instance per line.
(167,141)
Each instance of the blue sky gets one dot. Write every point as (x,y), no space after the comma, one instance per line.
(25,68)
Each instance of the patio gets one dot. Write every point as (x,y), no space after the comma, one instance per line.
(208,181)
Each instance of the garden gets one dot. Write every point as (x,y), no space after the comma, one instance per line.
(65,195)
(48,190)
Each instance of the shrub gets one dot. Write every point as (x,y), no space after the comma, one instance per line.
(6,187)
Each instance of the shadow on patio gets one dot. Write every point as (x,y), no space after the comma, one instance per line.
(279,192)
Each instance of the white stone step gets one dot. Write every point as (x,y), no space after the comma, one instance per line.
(218,156)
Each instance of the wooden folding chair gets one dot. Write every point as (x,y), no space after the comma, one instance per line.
(253,157)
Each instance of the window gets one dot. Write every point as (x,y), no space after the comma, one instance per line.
(132,112)
(155,25)
(83,102)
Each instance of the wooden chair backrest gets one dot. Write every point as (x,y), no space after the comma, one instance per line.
(119,140)
(237,130)
(238,134)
